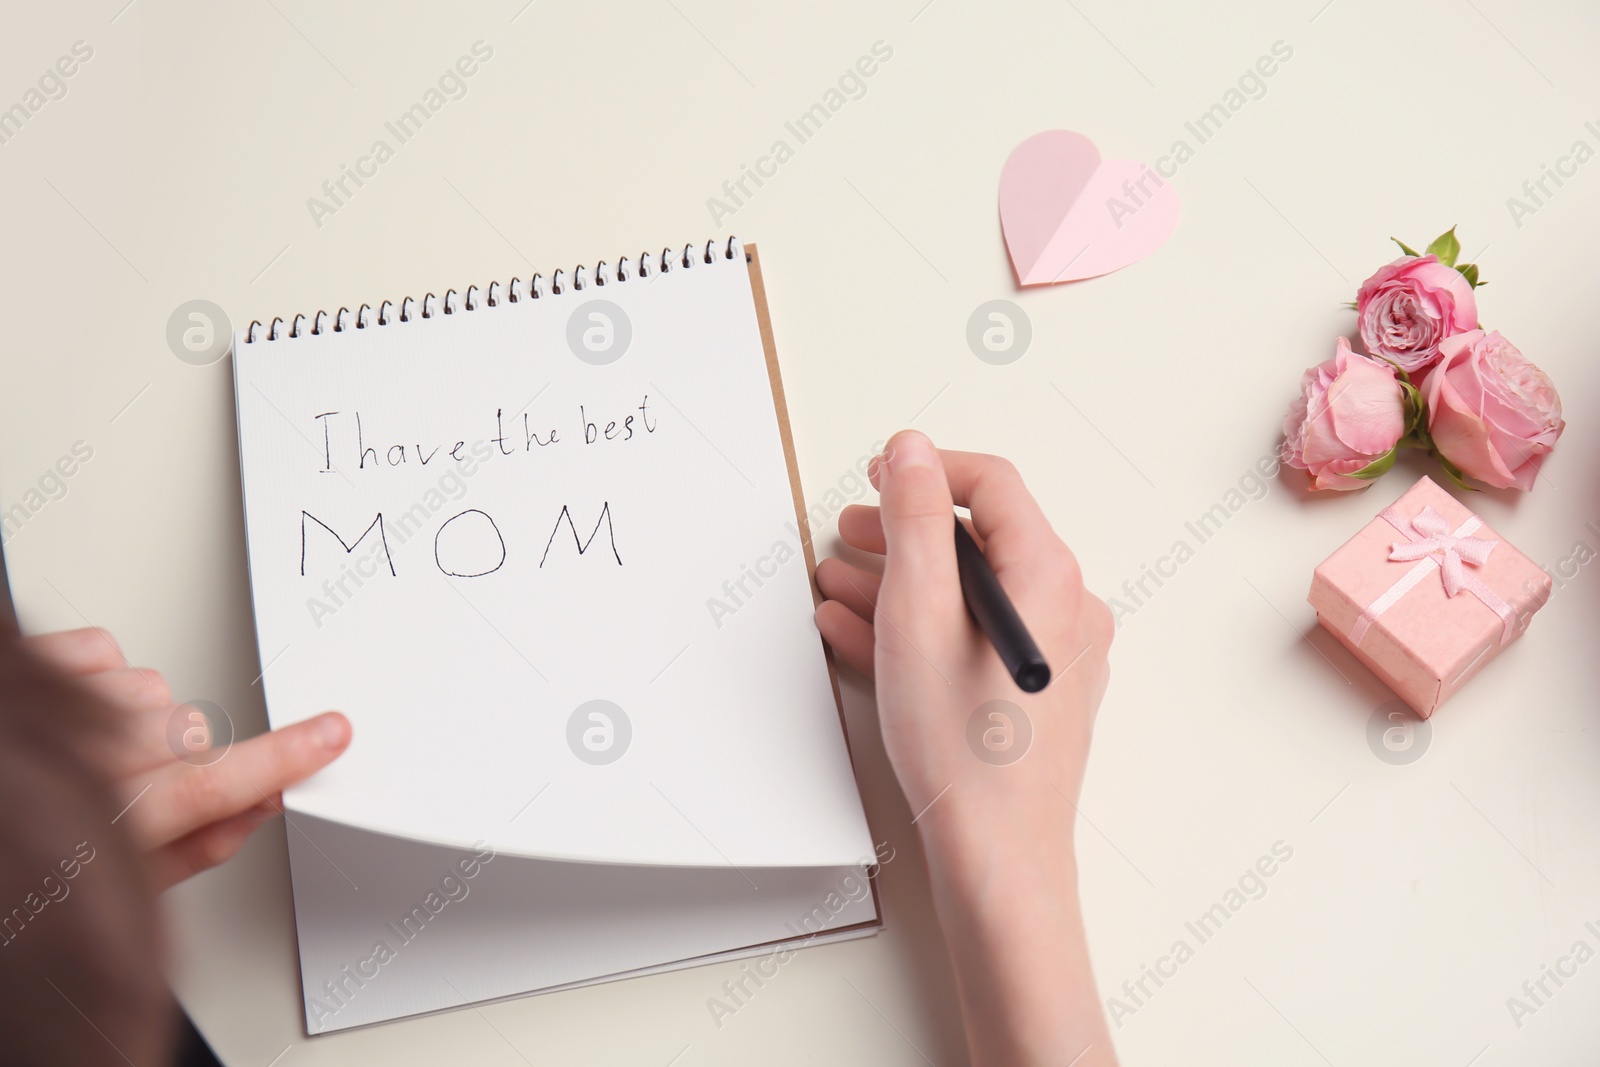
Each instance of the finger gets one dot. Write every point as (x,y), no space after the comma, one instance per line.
(864,528)
(82,651)
(1001,506)
(207,847)
(183,798)
(861,526)
(848,634)
(963,470)
(851,586)
(920,594)
(131,688)
(139,745)
(1015,532)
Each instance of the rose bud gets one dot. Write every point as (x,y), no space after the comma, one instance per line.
(1351,414)
(1491,413)
(1406,309)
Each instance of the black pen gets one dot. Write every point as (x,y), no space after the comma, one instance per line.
(997,616)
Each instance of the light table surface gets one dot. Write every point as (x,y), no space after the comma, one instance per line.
(1415,898)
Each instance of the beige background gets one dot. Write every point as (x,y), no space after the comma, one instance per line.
(1419,897)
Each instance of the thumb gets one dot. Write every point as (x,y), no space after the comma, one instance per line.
(920,581)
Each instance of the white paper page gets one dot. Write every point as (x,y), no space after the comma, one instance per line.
(460,689)
(399,928)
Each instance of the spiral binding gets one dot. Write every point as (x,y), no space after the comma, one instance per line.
(513,291)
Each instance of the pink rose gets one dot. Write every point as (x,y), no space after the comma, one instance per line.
(1491,412)
(1411,305)
(1350,415)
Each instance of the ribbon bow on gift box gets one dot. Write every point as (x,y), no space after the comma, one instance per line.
(1431,542)
(1449,550)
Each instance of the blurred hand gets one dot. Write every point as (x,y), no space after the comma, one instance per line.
(997,832)
(186,818)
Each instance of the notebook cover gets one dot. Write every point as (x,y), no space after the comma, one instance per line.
(758,290)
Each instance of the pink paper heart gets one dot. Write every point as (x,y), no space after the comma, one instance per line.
(1067,214)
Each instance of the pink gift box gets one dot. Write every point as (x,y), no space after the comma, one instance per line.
(1384,595)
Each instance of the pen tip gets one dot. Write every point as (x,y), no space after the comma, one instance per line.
(1033,677)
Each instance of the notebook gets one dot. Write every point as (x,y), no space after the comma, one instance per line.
(544,544)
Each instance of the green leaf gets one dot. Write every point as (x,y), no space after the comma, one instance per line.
(1454,474)
(1377,467)
(1446,247)
(1407,249)
(1415,410)
(1351,304)
(1469,271)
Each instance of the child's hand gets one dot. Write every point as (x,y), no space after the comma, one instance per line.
(996,819)
(186,818)
(934,668)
